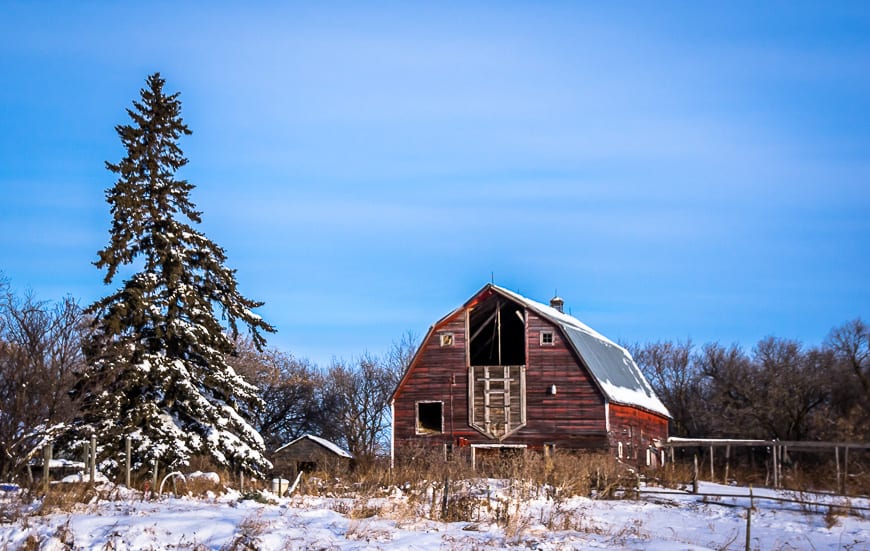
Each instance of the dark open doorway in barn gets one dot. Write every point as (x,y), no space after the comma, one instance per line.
(497,329)
(429,418)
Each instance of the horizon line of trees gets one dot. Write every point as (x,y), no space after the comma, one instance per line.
(780,389)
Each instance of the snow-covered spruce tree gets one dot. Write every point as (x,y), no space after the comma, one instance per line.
(157,355)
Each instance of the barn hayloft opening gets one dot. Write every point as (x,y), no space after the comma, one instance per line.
(497,330)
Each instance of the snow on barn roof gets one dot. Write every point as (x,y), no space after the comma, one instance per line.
(322,441)
(610,365)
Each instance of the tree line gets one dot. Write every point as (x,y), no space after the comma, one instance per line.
(41,361)
(780,389)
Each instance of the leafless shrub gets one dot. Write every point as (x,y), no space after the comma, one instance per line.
(631,532)
(832,517)
(248,536)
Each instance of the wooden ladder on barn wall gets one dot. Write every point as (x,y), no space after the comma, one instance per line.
(497,399)
(502,417)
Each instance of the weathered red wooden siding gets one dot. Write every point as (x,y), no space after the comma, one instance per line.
(438,374)
(575,416)
(636,429)
(572,418)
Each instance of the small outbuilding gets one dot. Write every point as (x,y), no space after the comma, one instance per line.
(310,453)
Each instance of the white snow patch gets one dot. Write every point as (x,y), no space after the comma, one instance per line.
(676,521)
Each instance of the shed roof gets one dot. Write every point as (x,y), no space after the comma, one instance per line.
(611,366)
(322,441)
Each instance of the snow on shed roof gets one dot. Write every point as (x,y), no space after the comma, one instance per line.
(323,442)
(610,365)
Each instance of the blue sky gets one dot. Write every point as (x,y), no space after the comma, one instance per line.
(675,170)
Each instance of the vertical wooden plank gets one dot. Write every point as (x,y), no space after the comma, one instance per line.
(727,461)
(837,462)
(712,474)
(506,398)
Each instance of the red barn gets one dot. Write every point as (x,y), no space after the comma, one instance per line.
(503,372)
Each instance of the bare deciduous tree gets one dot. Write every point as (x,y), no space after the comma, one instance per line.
(296,397)
(673,374)
(363,389)
(40,352)
(850,346)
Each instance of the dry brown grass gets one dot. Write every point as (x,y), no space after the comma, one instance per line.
(202,487)
(65,497)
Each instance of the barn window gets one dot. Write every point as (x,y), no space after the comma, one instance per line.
(430,418)
(619,450)
(446,339)
(546,338)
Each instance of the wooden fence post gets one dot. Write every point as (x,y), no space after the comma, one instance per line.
(154,481)
(775,469)
(712,474)
(444,498)
(695,476)
(727,461)
(747,547)
(46,466)
(846,470)
(93,458)
(127,467)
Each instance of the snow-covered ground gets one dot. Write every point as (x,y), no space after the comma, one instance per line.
(677,521)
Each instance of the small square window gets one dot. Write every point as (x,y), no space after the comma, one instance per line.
(446,339)
(546,338)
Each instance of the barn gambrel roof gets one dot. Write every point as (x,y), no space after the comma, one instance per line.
(611,366)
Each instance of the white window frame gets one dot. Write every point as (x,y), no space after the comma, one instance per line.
(552,340)
(446,339)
